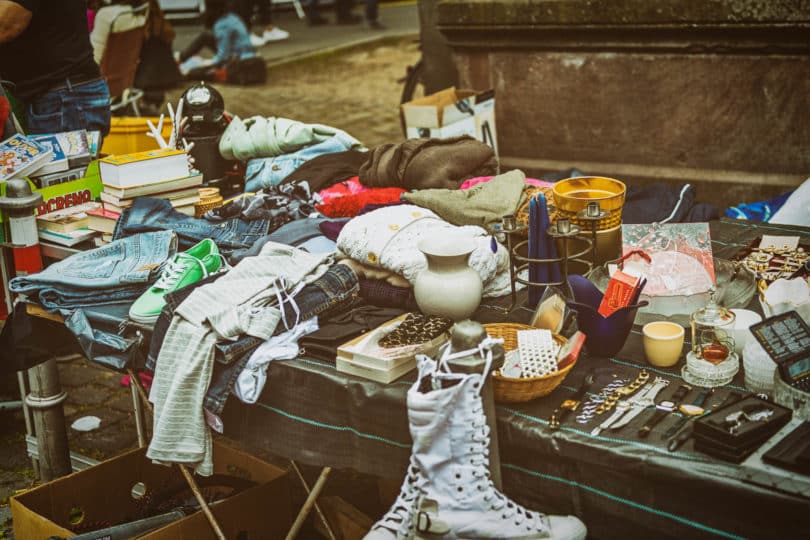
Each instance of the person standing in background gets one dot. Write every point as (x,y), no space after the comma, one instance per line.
(45,54)
(372,14)
(344,15)
(264,9)
(121,13)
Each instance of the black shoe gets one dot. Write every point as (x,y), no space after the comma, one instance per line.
(350,19)
(318,21)
(376,25)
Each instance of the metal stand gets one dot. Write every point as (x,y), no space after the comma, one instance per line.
(562,230)
(45,402)
(592,214)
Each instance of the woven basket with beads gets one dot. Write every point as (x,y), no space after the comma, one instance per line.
(209,199)
(511,390)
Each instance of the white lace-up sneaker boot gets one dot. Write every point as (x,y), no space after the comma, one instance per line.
(397,523)
(451,450)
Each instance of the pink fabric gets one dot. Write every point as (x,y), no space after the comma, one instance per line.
(352,186)
(91,19)
(349,205)
(479,179)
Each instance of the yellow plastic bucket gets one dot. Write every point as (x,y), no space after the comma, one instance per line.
(128,135)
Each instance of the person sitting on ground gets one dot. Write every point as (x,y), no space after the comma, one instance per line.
(225,33)
(268,32)
(121,12)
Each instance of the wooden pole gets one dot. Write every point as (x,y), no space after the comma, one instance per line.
(317,506)
(309,503)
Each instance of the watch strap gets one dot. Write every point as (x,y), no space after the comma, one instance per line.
(660,414)
(702,397)
(652,421)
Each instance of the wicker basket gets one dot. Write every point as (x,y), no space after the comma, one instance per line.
(509,390)
(209,199)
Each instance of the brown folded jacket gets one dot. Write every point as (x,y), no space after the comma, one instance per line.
(428,163)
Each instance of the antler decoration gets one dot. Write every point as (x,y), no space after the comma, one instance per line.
(178,124)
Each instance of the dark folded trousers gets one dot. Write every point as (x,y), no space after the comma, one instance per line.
(334,290)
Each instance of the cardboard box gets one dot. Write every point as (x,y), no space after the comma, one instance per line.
(73,193)
(103,495)
(452,112)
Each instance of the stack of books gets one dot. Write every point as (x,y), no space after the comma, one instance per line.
(72,152)
(102,221)
(68,226)
(160,173)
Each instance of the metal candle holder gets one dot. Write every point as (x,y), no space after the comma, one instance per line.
(563,230)
(592,214)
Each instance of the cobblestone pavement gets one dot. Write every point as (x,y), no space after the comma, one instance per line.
(355,90)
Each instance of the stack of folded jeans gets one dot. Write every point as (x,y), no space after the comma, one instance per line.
(119,271)
(148,214)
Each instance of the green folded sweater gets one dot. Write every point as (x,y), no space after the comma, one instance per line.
(483,204)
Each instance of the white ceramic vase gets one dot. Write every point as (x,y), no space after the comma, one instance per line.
(449,287)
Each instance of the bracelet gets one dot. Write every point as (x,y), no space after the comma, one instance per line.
(623,391)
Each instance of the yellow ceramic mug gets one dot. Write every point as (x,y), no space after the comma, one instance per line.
(663,343)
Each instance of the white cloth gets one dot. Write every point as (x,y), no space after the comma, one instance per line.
(103,24)
(243,301)
(796,210)
(259,137)
(250,382)
(387,238)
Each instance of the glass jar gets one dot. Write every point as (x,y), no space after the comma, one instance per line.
(712,332)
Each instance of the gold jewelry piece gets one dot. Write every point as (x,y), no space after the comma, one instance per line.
(623,391)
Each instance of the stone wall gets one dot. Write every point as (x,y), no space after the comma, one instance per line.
(710,92)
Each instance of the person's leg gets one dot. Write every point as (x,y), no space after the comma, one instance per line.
(265,13)
(204,39)
(372,11)
(314,14)
(343,9)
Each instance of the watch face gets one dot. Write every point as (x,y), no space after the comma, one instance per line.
(666,404)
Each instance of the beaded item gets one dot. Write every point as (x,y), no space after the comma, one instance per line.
(416,329)
(538,352)
(588,409)
(623,391)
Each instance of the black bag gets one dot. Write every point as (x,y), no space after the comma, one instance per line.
(245,72)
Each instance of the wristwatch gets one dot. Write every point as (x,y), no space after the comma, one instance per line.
(663,408)
(569,405)
(688,411)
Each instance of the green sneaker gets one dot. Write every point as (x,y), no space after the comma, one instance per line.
(183,269)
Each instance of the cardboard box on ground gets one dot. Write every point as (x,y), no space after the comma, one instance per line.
(452,112)
(103,495)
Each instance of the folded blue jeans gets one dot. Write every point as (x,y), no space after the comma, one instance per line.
(150,214)
(119,271)
(335,289)
(266,172)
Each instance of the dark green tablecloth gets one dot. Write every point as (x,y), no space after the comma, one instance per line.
(619,485)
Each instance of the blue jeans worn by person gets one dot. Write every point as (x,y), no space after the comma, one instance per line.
(332,291)
(265,172)
(119,271)
(148,214)
(70,107)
